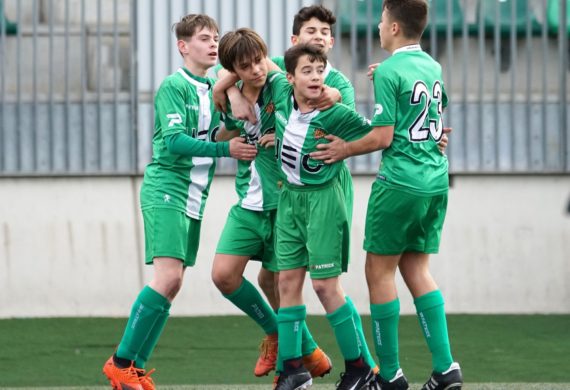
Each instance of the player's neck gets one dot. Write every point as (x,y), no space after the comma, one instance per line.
(251,93)
(302,103)
(195,68)
(400,43)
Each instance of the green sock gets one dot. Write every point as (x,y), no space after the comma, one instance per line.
(345,332)
(385,319)
(152,339)
(290,322)
(363,344)
(308,344)
(431,315)
(250,301)
(145,311)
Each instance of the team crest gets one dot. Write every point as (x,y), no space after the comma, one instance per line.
(270,108)
(319,133)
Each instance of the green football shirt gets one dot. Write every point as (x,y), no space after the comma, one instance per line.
(410,95)
(333,78)
(297,134)
(256,181)
(183,104)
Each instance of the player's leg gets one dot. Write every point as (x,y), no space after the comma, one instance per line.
(292,260)
(291,320)
(429,303)
(385,316)
(167,246)
(242,239)
(386,236)
(328,237)
(267,281)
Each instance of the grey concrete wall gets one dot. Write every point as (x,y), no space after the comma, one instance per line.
(74,247)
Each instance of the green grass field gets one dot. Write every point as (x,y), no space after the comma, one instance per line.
(214,353)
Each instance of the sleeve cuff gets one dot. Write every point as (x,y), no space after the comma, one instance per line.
(223,149)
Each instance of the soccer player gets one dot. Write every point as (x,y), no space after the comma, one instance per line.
(313,25)
(173,194)
(408,202)
(249,230)
(312,229)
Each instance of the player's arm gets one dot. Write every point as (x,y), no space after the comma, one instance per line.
(380,137)
(225,134)
(184,145)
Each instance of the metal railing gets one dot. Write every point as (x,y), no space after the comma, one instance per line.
(77,78)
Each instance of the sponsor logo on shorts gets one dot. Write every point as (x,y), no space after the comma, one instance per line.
(322,266)
(166,198)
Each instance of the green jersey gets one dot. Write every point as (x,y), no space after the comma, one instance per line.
(298,134)
(410,95)
(256,181)
(334,79)
(183,104)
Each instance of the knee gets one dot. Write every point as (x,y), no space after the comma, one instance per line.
(323,289)
(169,284)
(225,282)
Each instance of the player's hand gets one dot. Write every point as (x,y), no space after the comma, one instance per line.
(267,140)
(332,152)
(220,98)
(371,69)
(329,96)
(442,145)
(241,150)
(242,109)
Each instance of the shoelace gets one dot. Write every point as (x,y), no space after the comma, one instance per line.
(265,349)
(145,375)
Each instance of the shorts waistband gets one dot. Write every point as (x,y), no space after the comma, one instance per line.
(310,187)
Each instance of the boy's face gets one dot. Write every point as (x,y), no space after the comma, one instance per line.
(384,32)
(201,48)
(315,33)
(308,78)
(252,72)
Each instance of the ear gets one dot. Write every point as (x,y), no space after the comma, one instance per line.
(294,39)
(332,42)
(182,47)
(290,78)
(395,28)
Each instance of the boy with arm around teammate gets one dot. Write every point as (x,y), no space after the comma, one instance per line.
(408,202)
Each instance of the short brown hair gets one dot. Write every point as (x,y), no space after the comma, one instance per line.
(295,52)
(191,24)
(240,46)
(305,14)
(410,14)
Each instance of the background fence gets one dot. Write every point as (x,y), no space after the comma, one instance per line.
(77,78)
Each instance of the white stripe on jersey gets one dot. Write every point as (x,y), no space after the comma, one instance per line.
(253,199)
(199,178)
(199,174)
(293,141)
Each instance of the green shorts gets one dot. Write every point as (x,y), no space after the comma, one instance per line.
(250,233)
(170,233)
(345,179)
(312,229)
(398,221)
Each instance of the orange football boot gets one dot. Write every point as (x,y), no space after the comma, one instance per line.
(267,355)
(145,380)
(317,363)
(121,378)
